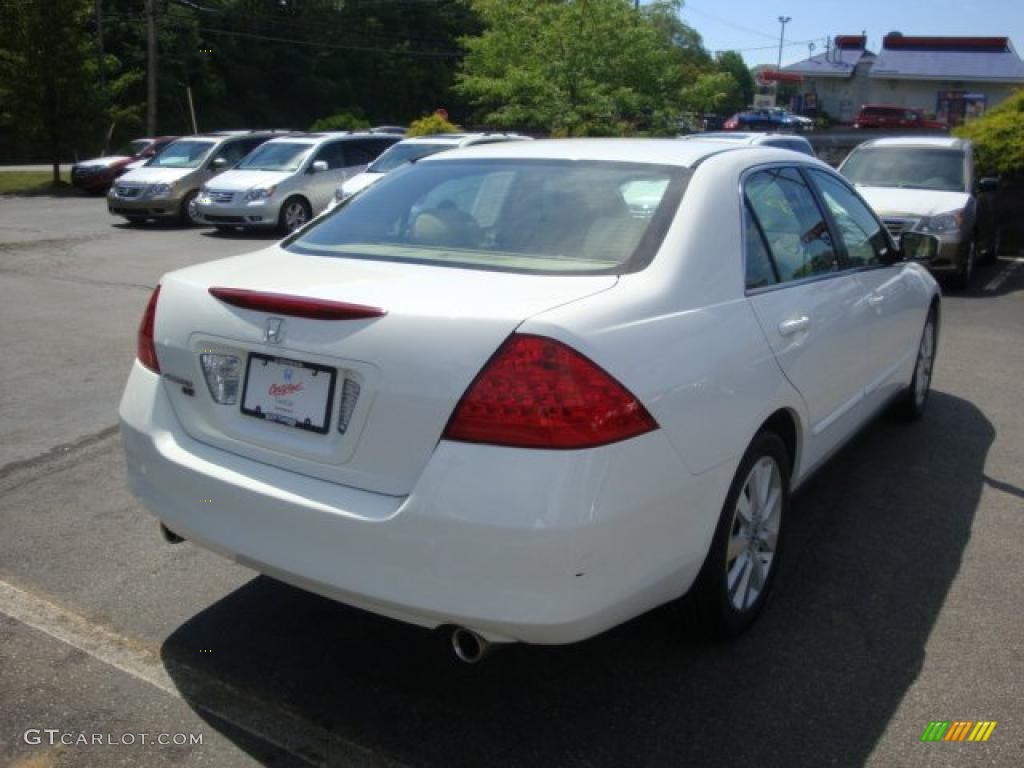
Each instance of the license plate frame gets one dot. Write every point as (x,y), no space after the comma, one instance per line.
(307,424)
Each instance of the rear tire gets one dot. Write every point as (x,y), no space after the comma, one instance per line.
(737,576)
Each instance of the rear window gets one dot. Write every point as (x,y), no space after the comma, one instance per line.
(400,154)
(534,216)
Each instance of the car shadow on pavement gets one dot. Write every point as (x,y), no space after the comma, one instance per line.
(244,234)
(875,541)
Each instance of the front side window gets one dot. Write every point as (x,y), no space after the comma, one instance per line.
(333,154)
(275,156)
(865,239)
(906,168)
(537,216)
(792,224)
(187,153)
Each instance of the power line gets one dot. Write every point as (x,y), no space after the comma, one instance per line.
(332,46)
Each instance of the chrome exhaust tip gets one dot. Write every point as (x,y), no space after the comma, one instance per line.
(468,646)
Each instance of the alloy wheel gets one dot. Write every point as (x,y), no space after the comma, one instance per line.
(925,361)
(295,216)
(753,537)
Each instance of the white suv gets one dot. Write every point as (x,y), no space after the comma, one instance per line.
(411,150)
(286,181)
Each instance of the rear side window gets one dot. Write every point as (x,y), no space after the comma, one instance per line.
(866,243)
(760,271)
(794,227)
(365,151)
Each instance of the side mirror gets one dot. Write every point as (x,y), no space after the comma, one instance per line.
(916,246)
(219,163)
(318,166)
(988,184)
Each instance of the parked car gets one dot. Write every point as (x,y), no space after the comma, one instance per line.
(898,118)
(928,184)
(760,139)
(287,181)
(95,176)
(486,394)
(167,186)
(767,119)
(411,150)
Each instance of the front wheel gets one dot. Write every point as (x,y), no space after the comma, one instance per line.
(966,273)
(295,213)
(737,575)
(189,213)
(916,397)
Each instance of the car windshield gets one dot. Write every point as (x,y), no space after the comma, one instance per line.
(906,167)
(276,156)
(400,154)
(189,153)
(534,216)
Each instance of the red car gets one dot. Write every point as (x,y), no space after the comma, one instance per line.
(882,116)
(97,175)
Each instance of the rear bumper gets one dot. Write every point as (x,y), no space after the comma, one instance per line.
(535,546)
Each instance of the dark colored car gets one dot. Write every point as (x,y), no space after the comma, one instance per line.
(903,118)
(767,119)
(96,176)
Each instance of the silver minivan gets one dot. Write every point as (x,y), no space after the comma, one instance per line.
(288,180)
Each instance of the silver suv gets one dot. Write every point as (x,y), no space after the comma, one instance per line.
(288,180)
(166,187)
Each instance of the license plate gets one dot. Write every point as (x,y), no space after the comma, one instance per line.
(289,392)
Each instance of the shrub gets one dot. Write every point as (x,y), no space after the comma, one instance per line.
(998,138)
(343,121)
(435,123)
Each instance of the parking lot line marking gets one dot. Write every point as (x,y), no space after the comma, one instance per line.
(263,720)
(1001,278)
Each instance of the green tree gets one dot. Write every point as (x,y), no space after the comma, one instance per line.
(732,63)
(572,67)
(998,137)
(48,88)
(710,92)
(430,124)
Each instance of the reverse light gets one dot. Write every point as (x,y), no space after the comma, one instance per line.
(145,347)
(223,374)
(536,392)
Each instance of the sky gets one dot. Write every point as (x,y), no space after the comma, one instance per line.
(752,26)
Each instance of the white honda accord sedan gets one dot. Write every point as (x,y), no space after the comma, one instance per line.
(530,390)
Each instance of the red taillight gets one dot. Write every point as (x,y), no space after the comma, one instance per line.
(145,349)
(536,392)
(295,306)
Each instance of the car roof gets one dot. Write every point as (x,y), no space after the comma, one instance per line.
(462,139)
(942,142)
(745,137)
(656,151)
(323,136)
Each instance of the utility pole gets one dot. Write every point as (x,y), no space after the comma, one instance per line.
(783,20)
(99,43)
(151,64)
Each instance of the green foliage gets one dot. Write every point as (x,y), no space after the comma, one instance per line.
(743,95)
(431,124)
(998,138)
(342,121)
(709,92)
(572,67)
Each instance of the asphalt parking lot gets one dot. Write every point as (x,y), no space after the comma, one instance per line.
(899,600)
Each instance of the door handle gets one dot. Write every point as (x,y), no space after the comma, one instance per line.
(794,325)
(876,299)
